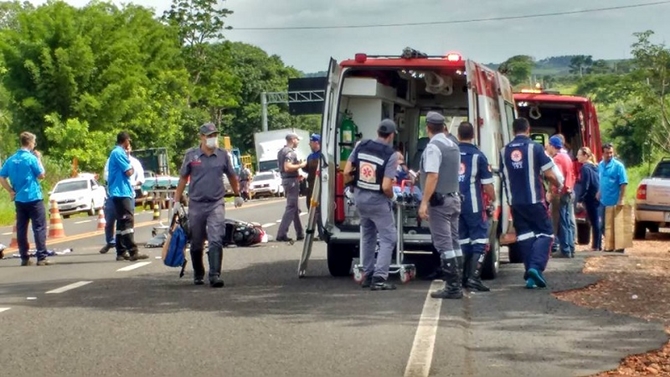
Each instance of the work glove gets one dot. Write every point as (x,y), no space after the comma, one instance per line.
(176,207)
(238,201)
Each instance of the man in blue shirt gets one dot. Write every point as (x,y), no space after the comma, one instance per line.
(24,170)
(122,193)
(613,182)
(522,163)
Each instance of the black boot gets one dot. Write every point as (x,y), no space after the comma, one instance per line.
(380,284)
(467,260)
(474,271)
(198,267)
(215,256)
(367,282)
(452,285)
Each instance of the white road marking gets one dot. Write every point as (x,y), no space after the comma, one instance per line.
(83,221)
(268,225)
(303,213)
(421,356)
(7,234)
(278,221)
(133,266)
(4,309)
(69,287)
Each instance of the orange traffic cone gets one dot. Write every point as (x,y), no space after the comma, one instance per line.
(14,242)
(55,222)
(101,220)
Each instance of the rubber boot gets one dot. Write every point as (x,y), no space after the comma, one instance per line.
(467,261)
(474,272)
(453,284)
(215,256)
(198,268)
(437,274)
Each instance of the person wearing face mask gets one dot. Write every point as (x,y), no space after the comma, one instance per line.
(206,165)
(24,170)
(289,166)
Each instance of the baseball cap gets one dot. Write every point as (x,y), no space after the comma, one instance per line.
(315,137)
(292,136)
(433,117)
(387,126)
(208,129)
(556,142)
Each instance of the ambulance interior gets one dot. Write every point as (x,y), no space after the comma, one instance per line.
(368,96)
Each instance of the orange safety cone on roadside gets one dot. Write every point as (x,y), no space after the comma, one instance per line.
(14,242)
(55,222)
(101,220)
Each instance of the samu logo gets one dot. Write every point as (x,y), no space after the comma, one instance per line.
(517,158)
(461,172)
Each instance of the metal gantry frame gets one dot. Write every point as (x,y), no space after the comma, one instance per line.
(288,97)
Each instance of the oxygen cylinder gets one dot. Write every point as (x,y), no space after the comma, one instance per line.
(348,131)
(339,197)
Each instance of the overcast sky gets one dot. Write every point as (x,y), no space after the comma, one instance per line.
(606,34)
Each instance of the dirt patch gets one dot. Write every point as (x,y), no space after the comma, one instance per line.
(636,283)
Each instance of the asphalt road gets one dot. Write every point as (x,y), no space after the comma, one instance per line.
(89,315)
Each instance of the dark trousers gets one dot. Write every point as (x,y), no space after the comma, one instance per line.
(592,206)
(533,233)
(35,213)
(125,222)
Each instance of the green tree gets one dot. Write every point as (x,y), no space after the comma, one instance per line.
(517,68)
(581,64)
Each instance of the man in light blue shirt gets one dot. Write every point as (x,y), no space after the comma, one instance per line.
(24,170)
(120,189)
(613,182)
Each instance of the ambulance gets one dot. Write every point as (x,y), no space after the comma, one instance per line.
(550,112)
(364,90)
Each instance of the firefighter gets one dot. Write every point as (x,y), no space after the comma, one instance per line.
(441,202)
(474,176)
(373,165)
(289,167)
(313,165)
(205,165)
(522,163)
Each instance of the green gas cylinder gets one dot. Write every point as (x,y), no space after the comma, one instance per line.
(348,131)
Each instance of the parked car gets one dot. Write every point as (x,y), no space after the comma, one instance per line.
(652,202)
(267,183)
(75,195)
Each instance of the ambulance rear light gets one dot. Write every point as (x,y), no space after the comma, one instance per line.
(454,57)
(642,192)
(361,58)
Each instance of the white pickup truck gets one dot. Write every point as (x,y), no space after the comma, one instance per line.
(652,202)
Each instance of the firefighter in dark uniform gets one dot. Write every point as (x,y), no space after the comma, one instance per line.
(313,164)
(474,176)
(523,162)
(289,166)
(206,165)
(441,202)
(373,165)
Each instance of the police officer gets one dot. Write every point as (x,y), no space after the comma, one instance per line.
(522,163)
(474,176)
(206,165)
(373,165)
(121,191)
(289,166)
(313,165)
(441,202)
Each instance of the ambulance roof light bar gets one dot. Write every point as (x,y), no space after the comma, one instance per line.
(409,53)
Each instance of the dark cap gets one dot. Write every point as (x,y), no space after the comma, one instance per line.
(387,126)
(315,137)
(292,136)
(434,117)
(208,129)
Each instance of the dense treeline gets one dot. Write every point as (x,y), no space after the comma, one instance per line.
(77,76)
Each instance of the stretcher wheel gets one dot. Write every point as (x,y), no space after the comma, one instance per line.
(291,242)
(358,276)
(405,277)
(412,273)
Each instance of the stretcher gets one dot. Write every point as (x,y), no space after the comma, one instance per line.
(405,202)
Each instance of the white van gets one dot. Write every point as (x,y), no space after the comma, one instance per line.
(364,90)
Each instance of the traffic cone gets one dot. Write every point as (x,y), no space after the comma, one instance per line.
(14,242)
(157,212)
(101,220)
(55,222)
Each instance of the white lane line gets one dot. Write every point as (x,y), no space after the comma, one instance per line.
(421,356)
(4,309)
(303,213)
(7,234)
(278,221)
(70,287)
(268,225)
(83,221)
(133,266)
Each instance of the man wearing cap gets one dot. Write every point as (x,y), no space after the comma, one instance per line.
(373,165)
(475,179)
(313,165)
(206,165)
(289,167)
(123,195)
(522,162)
(564,199)
(441,202)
